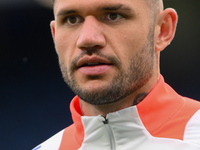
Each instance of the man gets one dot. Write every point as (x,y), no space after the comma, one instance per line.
(109,56)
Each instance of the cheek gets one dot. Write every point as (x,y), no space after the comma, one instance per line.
(130,43)
(135,37)
(64,48)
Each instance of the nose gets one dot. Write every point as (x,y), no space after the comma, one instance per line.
(91,35)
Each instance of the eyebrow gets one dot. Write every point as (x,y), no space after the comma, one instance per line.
(104,8)
(65,12)
(115,7)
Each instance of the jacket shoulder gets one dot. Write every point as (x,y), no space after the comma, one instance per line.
(69,140)
(53,143)
(192,130)
(181,123)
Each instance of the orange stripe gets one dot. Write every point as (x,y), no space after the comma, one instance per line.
(164,113)
(175,128)
(73,135)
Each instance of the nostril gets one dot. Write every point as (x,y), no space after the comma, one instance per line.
(91,50)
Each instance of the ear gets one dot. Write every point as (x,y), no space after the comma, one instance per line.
(165,28)
(52,25)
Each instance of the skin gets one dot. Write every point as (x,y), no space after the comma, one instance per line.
(125,37)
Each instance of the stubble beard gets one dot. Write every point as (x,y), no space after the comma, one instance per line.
(126,82)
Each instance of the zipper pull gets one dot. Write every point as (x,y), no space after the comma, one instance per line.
(105,121)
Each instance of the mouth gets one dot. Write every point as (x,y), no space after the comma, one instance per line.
(93,65)
(90,64)
(92,61)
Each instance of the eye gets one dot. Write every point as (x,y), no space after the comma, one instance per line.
(72,20)
(113,16)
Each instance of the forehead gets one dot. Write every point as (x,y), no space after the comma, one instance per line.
(93,5)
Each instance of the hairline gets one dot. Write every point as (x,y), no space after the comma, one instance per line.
(151,3)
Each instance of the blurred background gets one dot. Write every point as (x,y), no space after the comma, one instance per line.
(34,100)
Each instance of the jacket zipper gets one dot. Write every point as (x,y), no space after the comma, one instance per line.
(110,134)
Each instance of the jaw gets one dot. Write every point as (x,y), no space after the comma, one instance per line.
(128,101)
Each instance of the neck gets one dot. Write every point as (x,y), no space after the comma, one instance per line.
(94,110)
(131,100)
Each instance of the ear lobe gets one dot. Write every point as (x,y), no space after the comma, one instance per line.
(52,26)
(165,28)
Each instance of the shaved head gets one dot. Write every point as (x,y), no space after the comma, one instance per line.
(152,3)
(155,5)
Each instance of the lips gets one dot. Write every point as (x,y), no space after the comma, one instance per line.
(92,61)
(93,65)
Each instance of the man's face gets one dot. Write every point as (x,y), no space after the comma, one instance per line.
(105,48)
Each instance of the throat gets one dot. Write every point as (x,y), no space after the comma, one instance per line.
(88,109)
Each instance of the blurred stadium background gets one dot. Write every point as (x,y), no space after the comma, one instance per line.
(34,100)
